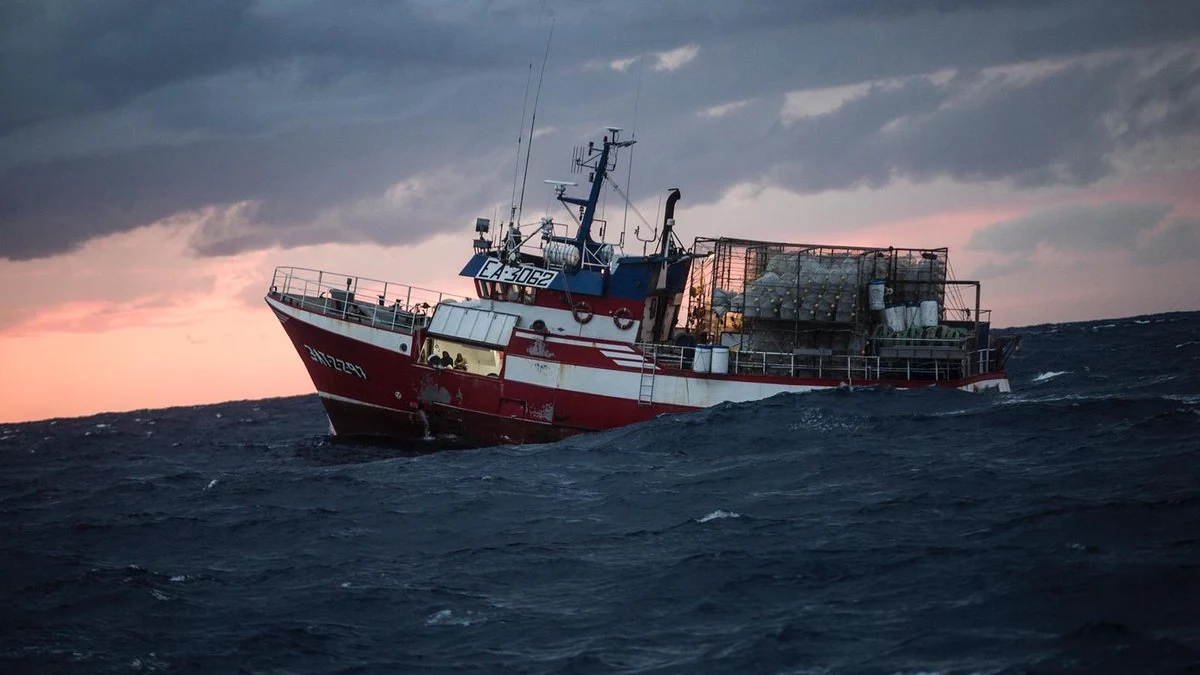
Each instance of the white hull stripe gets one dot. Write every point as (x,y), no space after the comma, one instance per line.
(588,343)
(384,339)
(354,401)
(676,390)
(561,324)
(554,339)
(612,354)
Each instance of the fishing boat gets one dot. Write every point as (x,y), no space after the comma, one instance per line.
(566,333)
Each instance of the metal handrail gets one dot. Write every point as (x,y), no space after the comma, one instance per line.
(393,306)
(850,367)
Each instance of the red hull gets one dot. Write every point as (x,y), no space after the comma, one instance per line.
(372,391)
(396,397)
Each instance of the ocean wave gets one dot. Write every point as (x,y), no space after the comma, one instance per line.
(447,617)
(719,514)
(843,531)
(1049,375)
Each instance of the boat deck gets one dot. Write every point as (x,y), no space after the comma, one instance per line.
(390,306)
(932,363)
(406,309)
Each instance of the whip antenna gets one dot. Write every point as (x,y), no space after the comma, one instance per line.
(637,100)
(533,119)
(520,137)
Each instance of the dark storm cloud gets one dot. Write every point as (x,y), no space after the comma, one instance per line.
(122,113)
(68,58)
(1049,131)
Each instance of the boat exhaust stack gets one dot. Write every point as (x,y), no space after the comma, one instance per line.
(669,220)
(672,197)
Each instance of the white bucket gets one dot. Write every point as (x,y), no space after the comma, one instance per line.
(720,360)
(702,362)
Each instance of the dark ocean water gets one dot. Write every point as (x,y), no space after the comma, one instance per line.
(1053,530)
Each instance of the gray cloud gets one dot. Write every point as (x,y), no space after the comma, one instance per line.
(1072,227)
(1138,229)
(1178,240)
(993,269)
(1060,128)
(294,175)
(122,113)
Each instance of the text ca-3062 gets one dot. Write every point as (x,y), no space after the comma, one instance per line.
(335,363)
(494,270)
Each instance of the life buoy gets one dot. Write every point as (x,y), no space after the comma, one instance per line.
(582,312)
(623,318)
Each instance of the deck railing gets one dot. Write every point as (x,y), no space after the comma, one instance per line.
(382,304)
(845,367)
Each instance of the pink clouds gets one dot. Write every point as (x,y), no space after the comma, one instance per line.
(135,321)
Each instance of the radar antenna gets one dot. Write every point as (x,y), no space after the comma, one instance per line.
(560,186)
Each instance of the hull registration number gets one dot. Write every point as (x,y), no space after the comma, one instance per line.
(494,270)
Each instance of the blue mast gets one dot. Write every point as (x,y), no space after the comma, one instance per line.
(600,168)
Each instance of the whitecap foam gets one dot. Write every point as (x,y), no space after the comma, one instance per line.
(211,484)
(717,515)
(1049,375)
(151,663)
(816,420)
(446,617)
(952,413)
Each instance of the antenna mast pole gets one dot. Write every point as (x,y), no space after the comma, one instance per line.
(533,119)
(637,100)
(512,213)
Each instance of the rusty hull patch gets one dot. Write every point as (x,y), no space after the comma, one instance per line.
(542,413)
(432,392)
(538,348)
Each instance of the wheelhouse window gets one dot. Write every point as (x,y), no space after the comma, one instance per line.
(496,290)
(443,353)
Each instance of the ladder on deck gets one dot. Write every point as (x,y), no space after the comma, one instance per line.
(646,387)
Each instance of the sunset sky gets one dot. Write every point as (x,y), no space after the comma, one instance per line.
(159,159)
